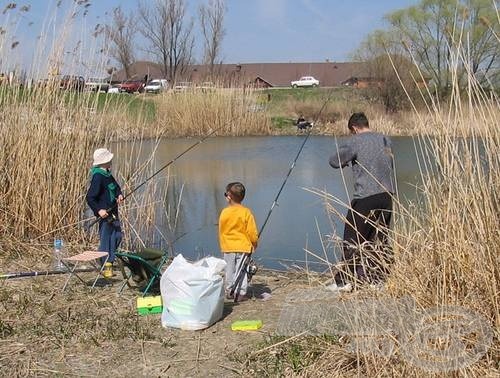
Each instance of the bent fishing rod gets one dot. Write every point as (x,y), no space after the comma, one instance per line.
(247,259)
(161,169)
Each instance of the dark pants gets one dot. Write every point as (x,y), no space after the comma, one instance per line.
(110,237)
(366,250)
(304,125)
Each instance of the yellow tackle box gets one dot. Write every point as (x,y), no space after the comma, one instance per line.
(149,305)
(246,325)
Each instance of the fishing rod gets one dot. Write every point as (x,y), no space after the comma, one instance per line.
(6,276)
(246,260)
(161,169)
(245,265)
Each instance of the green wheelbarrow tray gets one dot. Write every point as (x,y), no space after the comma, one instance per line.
(141,269)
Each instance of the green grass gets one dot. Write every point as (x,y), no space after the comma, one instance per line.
(280,122)
(134,104)
(280,95)
(285,104)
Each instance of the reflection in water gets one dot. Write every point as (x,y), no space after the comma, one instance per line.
(261,163)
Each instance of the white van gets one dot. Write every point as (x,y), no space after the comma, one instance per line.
(156,86)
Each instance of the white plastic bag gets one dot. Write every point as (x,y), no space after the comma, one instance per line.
(192,293)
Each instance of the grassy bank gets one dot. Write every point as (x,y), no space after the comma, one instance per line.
(235,111)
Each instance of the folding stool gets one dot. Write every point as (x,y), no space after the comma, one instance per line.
(91,257)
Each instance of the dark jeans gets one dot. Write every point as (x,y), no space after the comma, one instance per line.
(110,237)
(366,249)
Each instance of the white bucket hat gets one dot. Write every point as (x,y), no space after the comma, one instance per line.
(102,156)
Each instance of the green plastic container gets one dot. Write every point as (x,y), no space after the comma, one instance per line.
(246,325)
(149,305)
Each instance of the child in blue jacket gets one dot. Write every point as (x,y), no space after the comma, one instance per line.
(104,196)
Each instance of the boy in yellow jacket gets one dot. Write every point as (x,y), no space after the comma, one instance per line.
(237,235)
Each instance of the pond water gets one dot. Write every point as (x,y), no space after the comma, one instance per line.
(261,163)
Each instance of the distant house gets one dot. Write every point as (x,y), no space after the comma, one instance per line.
(261,75)
(259,82)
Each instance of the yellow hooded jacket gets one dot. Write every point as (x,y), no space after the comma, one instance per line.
(237,230)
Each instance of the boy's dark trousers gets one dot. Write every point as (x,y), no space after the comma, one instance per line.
(110,237)
(368,220)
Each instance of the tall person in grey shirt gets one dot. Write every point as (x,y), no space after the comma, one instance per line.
(370,156)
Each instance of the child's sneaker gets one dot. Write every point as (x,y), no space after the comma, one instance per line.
(242,298)
(107,270)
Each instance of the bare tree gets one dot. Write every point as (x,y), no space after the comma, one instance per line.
(163,23)
(212,28)
(120,34)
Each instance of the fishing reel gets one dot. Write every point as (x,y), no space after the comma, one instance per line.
(110,218)
(252,269)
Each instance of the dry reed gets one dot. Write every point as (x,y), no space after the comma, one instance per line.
(194,112)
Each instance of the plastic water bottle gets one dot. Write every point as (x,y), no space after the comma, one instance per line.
(58,254)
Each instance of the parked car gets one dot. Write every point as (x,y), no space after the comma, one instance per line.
(181,87)
(72,82)
(305,81)
(207,86)
(156,86)
(96,85)
(114,88)
(132,86)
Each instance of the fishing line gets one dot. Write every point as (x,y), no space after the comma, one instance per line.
(243,266)
(165,166)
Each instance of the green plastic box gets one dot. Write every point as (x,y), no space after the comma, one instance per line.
(246,325)
(149,305)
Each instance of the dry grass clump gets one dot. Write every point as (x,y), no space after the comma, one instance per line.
(46,147)
(47,137)
(196,113)
(447,249)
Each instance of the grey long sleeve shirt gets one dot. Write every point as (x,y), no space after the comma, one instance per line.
(370,155)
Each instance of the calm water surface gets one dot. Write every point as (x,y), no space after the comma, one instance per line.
(300,221)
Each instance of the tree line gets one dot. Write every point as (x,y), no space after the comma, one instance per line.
(168,32)
(442,43)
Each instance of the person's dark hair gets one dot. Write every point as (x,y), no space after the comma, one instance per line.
(237,191)
(358,120)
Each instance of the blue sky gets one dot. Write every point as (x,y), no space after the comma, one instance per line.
(256,30)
